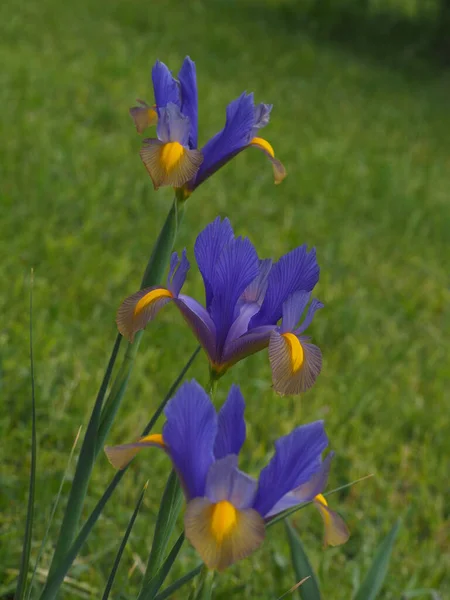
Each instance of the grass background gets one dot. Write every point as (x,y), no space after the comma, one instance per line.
(361,122)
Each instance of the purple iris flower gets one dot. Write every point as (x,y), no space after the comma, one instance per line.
(173,158)
(245,299)
(227,509)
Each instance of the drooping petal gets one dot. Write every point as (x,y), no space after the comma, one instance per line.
(313,307)
(143,116)
(165,86)
(296,460)
(306,491)
(231,425)
(138,309)
(190,433)
(207,249)
(295,363)
(296,271)
(233,138)
(336,531)
(226,482)
(120,456)
(200,323)
(173,126)
(237,266)
(279,172)
(169,164)
(255,340)
(293,309)
(221,534)
(179,268)
(256,291)
(189,98)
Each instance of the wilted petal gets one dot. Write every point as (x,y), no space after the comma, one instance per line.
(231,425)
(295,363)
(336,531)
(138,309)
(120,456)
(143,116)
(296,460)
(279,172)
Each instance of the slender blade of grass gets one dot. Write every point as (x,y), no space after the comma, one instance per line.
(123,543)
(150,590)
(26,548)
(179,583)
(374,579)
(293,588)
(302,567)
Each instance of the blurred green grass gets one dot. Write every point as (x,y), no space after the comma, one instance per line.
(366,145)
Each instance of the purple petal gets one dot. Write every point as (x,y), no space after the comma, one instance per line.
(172,125)
(305,492)
(226,482)
(233,138)
(164,85)
(189,98)
(240,324)
(296,460)
(190,433)
(231,425)
(200,323)
(248,344)
(293,309)
(262,117)
(313,307)
(298,270)
(179,268)
(208,247)
(236,268)
(256,291)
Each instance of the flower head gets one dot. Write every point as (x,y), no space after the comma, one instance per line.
(173,158)
(227,509)
(245,300)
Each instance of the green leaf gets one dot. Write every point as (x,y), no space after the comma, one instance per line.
(112,575)
(26,547)
(169,510)
(310,589)
(149,591)
(179,583)
(374,580)
(205,585)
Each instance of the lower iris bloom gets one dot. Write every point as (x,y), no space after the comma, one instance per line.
(173,158)
(227,509)
(245,299)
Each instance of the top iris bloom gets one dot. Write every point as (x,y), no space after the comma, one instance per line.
(245,299)
(173,158)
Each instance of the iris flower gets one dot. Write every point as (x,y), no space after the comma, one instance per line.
(173,157)
(245,299)
(227,509)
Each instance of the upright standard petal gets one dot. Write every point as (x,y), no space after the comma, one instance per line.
(139,309)
(231,425)
(165,86)
(296,271)
(237,266)
(190,433)
(295,363)
(189,98)
(233,138)
(207,249)
(296,459)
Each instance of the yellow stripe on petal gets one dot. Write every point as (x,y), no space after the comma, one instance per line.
(171,163)
(279,172)
(121,456)
(137,310)
(221,533)
(336,531)
(295,351)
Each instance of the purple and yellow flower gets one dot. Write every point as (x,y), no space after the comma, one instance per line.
(173,158)
(227,509)
(245,300)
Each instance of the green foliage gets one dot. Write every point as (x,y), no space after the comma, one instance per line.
(309,590)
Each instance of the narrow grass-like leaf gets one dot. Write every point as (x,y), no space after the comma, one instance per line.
(150,590)
(302,567)
(374,579)
(123,543)
(293,588)
(172,588)
(169,510)
(433,594)
(26,547)
(56,578)
(52,514)
(205,585)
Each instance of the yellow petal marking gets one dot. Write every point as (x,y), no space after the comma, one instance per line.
(154,438)
(264,145)
(223,519)
(170,155)
(295,351)
(152,116)
(151,297)
(336,531)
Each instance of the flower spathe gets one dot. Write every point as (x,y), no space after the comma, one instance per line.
(245,298)
(227,509)
(173,157)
